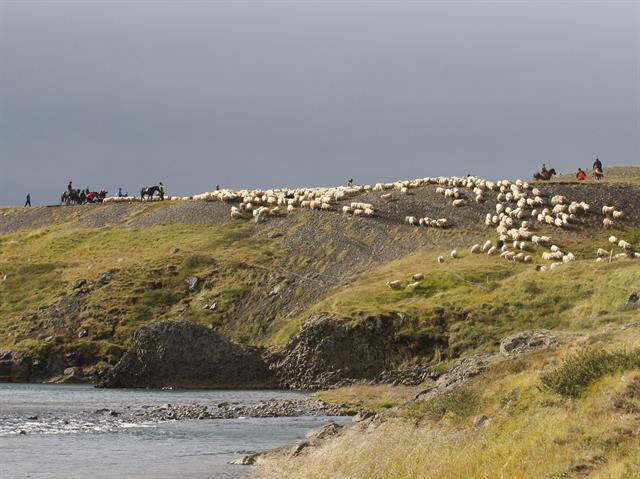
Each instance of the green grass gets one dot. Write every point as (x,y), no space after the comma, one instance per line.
(581,369)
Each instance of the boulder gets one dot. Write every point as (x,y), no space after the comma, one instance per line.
(73,375)
(187,355)
(192,283)
(527,340)
(327,351)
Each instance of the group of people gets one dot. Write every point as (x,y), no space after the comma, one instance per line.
(598,171)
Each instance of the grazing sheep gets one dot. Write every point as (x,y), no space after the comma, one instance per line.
(624,245)
(458,203)
(417,277)
(617,214)
(613,239)
(440,259)
(486,245)
(528,259)
(598,259)
(413,285)
(602,253)
(475,248)
(554,265)
(386,197)
(493,250)
(454,254)
(607,210)
(394,284)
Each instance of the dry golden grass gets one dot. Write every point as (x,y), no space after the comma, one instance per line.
(532,433)
(378,396)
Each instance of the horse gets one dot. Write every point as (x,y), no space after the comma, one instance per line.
(96,197)
(150,191)
(71,197)
(598,174)
(544,176)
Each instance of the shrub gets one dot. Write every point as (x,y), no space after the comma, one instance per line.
(580,369)
(458,404)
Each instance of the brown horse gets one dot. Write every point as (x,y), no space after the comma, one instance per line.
(546,176)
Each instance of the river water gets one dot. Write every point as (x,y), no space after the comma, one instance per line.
(59,431)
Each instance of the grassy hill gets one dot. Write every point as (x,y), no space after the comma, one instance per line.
(78,281)
(81,279)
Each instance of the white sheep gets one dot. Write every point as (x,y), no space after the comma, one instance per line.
(417,277)
(607,210)
(475,248)
(613,239)
(413,285)
(493,250)
(487,244)
(624,245)
(602,253)
(454,254)
(440,259)
(617,214)
(394,284)
(458,203)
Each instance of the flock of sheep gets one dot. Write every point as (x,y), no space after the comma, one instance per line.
(520,207)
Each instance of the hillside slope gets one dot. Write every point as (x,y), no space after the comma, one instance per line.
(80,280)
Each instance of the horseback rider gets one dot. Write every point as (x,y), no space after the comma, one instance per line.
(543,171)
(69,187)
(597,165)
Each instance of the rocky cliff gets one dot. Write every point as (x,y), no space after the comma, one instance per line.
(186,355)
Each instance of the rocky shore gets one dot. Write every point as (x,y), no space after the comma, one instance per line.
(226,410)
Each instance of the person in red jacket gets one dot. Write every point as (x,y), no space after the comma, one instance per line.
(581,175)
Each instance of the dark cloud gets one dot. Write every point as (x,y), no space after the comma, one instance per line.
(309,93)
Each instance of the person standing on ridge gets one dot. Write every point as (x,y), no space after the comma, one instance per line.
(120,194)
(28,202)
(69,187)
(162,190)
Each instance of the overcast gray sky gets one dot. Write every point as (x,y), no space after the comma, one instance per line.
(247,94)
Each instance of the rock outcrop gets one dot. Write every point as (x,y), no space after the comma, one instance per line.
(15,366)
(328,352)
(187,355)
(526,341)
(21,367)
